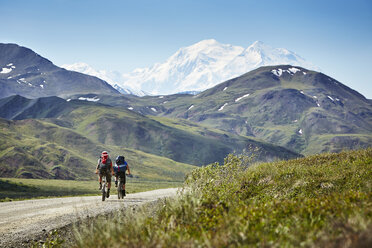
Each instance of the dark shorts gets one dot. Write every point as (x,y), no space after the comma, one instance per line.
(122,176)
(107,174)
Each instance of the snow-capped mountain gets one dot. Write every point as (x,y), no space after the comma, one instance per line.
(207,63)
(259,54)
(86,69)
(111,77)
(198,67)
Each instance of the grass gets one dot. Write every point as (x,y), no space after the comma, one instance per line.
(318,201)
(21,189)
(323,141)
(115,127)
(298,85)
(182,124)
(35,148)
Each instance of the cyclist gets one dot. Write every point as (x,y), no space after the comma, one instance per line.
(121,166)
(104,167)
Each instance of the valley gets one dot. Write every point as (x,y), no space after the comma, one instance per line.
(228,124)
(57,130)
(67,143)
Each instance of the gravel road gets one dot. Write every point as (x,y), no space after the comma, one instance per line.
(23,220)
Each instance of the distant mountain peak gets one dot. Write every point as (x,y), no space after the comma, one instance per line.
(207,63)
(257,43)
(207,42)
(201,66)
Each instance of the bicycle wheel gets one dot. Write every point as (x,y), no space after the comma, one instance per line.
(104,189)
(120,190)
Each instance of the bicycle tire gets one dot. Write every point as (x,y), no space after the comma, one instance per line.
(119,195)
(104,189)
(120,190)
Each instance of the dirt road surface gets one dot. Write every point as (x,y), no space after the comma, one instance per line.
(23,220)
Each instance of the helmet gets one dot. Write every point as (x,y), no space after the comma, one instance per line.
(120,160)
(104,154)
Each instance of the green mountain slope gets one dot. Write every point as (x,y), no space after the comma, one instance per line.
(38,149)
(305,111)
(159,136)
(120,127)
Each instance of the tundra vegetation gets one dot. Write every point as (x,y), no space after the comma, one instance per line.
(320,201)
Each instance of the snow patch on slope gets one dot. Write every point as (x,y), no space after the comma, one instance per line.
(5,70)
(279,72)
(294,70)
(221,108)
(89,99)
(240,98)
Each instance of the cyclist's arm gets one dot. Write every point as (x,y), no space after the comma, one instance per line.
(128,169)
(112,169)
(97,167)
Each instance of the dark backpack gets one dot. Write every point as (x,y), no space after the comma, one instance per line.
(104,166)
(120,160)
(122,167)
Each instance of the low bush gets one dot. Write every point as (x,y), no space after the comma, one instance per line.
(322,200)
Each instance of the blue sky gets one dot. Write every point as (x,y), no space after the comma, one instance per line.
(335,35)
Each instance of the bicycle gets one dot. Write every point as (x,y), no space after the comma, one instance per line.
(104,193)
(121,191)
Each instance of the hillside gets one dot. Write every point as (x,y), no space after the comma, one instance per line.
(18,108)
(181,141)
(26,73)
(317,201)
(38,149)
(302,110)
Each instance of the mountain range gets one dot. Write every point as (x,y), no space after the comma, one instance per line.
(196,68)
(305,111)
(75,131)
(56,129)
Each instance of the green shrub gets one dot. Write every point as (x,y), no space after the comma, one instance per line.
(322,200)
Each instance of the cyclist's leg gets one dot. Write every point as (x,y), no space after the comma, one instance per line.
(124,181)
(108,178)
